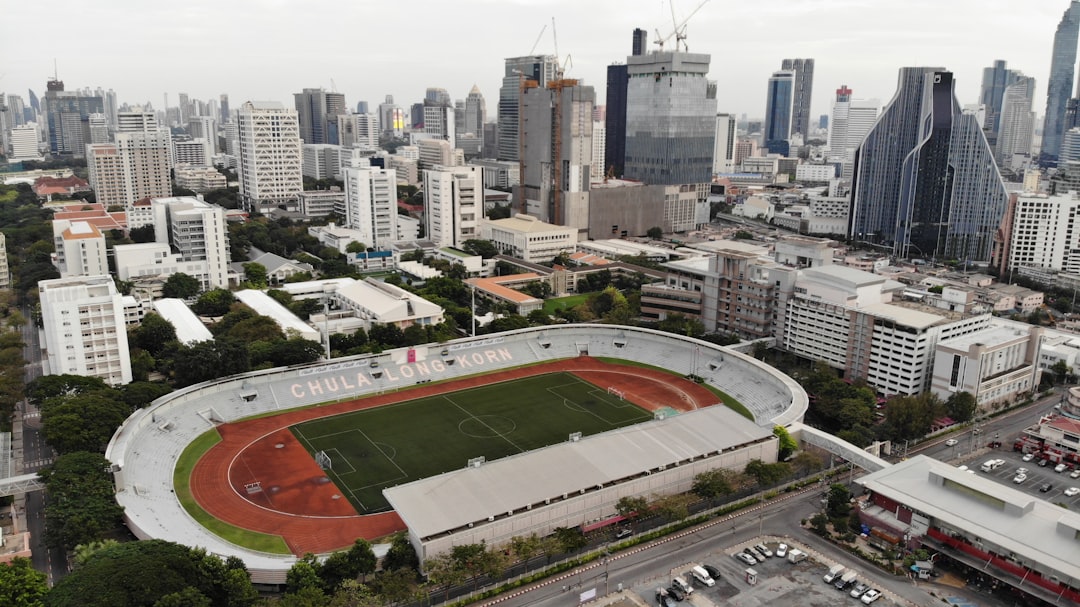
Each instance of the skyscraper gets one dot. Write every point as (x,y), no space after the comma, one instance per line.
(68,116)
(391,118)
(641,41)
(925,181)
(223,105)
(557,142)
(801,92)
(317,111)
(1062,65)
(670,118)
(780,96)
(724,154)
(539,68)
(615,119)
(269,166)
(995,80)
(851,120)
(475,113)
(133,167)
(1017,122)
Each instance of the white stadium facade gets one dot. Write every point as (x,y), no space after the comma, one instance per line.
(500,499)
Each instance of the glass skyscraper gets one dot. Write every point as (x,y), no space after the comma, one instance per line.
(925,181)
(802,90)
(778,111)
(1062,64)
(540,68)
(670,118)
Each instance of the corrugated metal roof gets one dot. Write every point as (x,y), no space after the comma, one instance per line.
(189,329)
(455,499)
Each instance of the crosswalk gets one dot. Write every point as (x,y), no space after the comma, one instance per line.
(36,464)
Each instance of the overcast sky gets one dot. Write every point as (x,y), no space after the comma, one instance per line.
(267,50)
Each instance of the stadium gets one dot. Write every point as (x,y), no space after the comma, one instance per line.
(244,453)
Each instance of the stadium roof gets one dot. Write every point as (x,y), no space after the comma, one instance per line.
(189,329)
(456,499)
(267,306)
(1033,529)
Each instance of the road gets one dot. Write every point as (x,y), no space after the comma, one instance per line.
(35,455)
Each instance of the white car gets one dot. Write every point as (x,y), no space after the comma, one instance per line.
(781,551)
(1021,470)
(1072,491)
(1075,473)
(1028,457)
(1060,468)
(746,558)
(870,596)
(951,442)
(763,550)
(1019,478)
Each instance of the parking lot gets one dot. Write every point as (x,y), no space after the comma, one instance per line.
(1037,476)
(779,582)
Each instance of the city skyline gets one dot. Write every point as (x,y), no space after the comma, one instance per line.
(230,48)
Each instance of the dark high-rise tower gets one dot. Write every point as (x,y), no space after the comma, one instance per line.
(779,113)
(995,80)
(1062,64)
(615,120)
(925,183)
(538,68)
(801,93)
(318,111)
(641,41)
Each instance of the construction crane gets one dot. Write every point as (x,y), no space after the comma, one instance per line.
(679,32)
(333,85)
(538,37)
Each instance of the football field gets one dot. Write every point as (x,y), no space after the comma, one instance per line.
(372,449)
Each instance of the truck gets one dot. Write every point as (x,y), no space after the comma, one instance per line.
(796,556)
(847,579)
(833,574)
(991,464)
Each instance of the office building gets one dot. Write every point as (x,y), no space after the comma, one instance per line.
(538,68)
(599,145)
(80,249)
(199,179)
(270,162)
(205,128)
(528,238)
(1016,121)
(557,144)
(1041,231)
(196,231)
(779,99)
(68,119)
(724,152)
(24,142)
(925,183)
(99,128)
(995,80)
(801,92)
(371,205)
(358,130)
(851,120)
(85,332)
(391,118)
(317,112)
(670,118)
(500,173)
(996,365)
(475,113)
(135,166)
(1070,149)
(439,123)
(615,120)
(193,152)
(322,161)
(436,152)
(453,204)
(225,115)
(136,121)
(1059,88)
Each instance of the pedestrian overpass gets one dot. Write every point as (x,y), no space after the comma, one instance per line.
(25,483)
(837,446)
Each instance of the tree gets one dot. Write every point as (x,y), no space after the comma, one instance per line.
(655,233)
(255,275)
(712,484)
(142,234)
(838,500)
(153,333)
(908,417)
(483,248)
(81,508)
(805,462)
(960,406)
(525,547)
(682,325)
(21,585)
(84,552)
(302,575)
(138,394)
(672,507)
(743,235)
(401,554)
(632,507)
(764,474)
(180,285)
(356,247)
(188,597)
(788,445)
(82,423)
(215,302)
(569,539)
(51,386)
(208,360)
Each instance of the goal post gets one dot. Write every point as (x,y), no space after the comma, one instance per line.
(323,460)
(616,392)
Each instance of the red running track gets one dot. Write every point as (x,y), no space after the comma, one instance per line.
(296,501)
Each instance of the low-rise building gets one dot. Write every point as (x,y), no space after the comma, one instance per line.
(189,329)
(370,302)
(265,305)
(500,289)
(321,203)
(528,238)
(997,365)
(199,179)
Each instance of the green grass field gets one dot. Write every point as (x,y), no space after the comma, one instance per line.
(386,446)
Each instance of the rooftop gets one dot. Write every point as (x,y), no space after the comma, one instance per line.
(494,286)
(526,223)
(990,336)
(189,329)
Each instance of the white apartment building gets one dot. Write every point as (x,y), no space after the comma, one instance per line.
(408,170)
(815,172)
(271,157)
(501,173)
(85,333)
(196,152)
(157,260)
(322,161)
(80,249)
(320,203)
(371,204)
(528,238)
(847,318)
(599,150)
(136,121)
(135,166)
(196,231)
(849,124)
(724,150)
(996,364)
(358,130)
(437,152)
(1045,232)
(24,142)
(199,179)
(453,204)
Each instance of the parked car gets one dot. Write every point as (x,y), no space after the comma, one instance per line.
(664,598)
(713,572)
(746,558)
(859,590)
(676,593)
(763,550)
(1019,478)
(681,583)
(758,558)
(1072,491)
(871,595)
(1045,487)
(1060,468)
(951,442)
(781,551)
(1021,470)
(1075,473)
(1043,463)
(1028,457)
(623,533)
